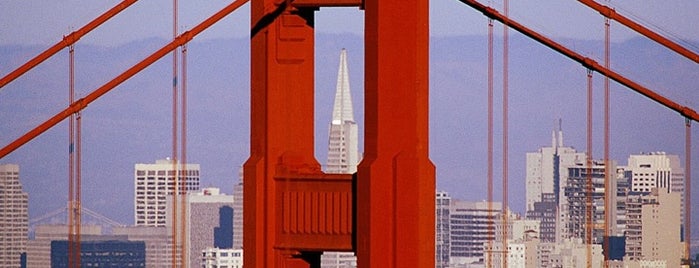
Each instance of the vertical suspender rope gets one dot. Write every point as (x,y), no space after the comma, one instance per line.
(491,217)
(588,170)
(71,163)
(608,173)
(175,173)
(505,138)
(183,163)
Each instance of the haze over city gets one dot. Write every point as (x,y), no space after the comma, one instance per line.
(132,124)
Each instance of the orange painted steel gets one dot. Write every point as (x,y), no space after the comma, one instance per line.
(65,42)
(293,211)
(611,13)
(396,179)
(94,95)
(585,61)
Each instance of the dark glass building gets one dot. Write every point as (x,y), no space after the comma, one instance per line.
(107,253)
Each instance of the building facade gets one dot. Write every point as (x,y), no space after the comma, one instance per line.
(110,252)
(221,258)
(472,225)
(546,167)
(209,222)
(442,230)
(14,217)
(154,182)
(39,248)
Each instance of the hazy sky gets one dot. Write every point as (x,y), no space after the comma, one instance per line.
(43,23)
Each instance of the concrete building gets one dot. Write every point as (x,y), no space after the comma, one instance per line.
(209,222)
(653,231)
(157,243)
(442,230)
(573,253)
(546,167)
(39,248)
(238,213)
(14,217)
(343,149)
(657,170)
(153,182)
(545,212)
(221,258)
(577,195)
(472,225)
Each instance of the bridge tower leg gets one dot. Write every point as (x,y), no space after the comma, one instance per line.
(282,129)
(293,211)
(396,179)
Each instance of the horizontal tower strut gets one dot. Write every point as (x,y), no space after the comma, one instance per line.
(94,95)
(611,13)
(585,61)
(65,42)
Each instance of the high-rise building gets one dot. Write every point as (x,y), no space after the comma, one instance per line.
(153,183)
(657,170)
(653,231)
(343,144)
(442,230)
(343,149)
(472,225)
(238,213)
(545,211)
(14,217)
(209,222)
(546,168)
(577,196)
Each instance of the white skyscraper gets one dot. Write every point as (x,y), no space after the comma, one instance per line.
(14,217)
(547,167)
(343,144)
(343,152)
(153,183)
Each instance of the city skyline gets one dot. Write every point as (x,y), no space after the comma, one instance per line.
(132,125)
(451,169)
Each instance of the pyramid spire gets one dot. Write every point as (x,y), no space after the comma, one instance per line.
(342,108)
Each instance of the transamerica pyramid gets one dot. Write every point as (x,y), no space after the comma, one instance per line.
(343,152)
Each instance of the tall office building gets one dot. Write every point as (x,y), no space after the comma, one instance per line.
(657,170)
(574,215)
(209,216)
(238,213)
(343,144)
(343,148)
(546,168)
(650,235)
(14,217)
(472,224)
(442,230)
(153,183)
